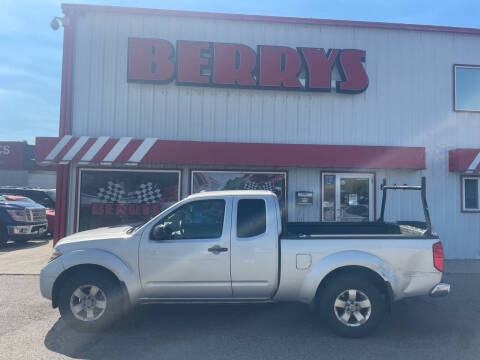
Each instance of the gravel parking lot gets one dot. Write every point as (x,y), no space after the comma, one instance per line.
(419,328)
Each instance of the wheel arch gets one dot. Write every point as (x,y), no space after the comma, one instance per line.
(383,285)
(96,260)
(71,271)
(348,261)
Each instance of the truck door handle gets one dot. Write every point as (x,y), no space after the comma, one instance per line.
(217,249)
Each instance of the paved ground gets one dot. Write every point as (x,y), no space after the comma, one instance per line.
(25,258)
(420,328)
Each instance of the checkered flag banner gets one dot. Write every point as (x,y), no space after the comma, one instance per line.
(112,193)
(250,185)
(148,193)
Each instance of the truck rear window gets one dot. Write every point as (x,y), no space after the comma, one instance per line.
(251,218)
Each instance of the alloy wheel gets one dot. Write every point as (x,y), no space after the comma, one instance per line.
(352,307)
(88,303)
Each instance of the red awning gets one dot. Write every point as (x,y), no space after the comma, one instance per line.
(106,150)
(464,160)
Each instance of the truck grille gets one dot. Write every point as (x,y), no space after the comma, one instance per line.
(36,215)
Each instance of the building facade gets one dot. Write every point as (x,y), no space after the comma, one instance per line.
(19,168)
(158,104)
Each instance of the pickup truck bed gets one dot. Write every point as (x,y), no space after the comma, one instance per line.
(375,229)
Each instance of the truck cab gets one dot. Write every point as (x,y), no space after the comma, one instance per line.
(224,254)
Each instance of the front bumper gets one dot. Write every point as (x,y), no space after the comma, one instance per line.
(439,290)
(48,275)
(27,230)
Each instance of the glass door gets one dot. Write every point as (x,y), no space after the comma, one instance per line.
(347,197)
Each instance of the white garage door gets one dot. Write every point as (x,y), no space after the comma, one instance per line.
(42,179)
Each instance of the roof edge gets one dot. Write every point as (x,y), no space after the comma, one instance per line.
(67,7)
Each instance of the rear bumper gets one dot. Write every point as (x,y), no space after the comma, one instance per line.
(439,290)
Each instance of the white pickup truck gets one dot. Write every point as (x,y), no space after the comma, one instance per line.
(231,246)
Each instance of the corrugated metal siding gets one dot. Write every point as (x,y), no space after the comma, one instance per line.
(408,103)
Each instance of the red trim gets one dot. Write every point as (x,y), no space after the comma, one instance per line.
(128,151)
(462,210)
(61,204)
(104,150)
(454,88)
(77,182)
(84,149)
(67,73)
(264,18)
(350,172)
(461,159)
(75,209)
(266,154)
(64,151)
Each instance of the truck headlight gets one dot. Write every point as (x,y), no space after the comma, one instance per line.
(18,215)
(55,254)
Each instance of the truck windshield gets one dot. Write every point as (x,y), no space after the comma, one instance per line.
(52,195)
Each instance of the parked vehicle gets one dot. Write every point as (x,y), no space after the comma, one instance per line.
(231,246)
(44,197)
(20,219)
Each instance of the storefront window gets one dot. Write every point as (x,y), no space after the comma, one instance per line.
(347,197)
(471,191)
(467,88)
(114,197)
(211,180)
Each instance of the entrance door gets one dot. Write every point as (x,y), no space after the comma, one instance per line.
(347,197)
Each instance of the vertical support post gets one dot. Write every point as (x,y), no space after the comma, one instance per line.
(384,199)
(425,207)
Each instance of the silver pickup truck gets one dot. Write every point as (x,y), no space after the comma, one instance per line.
(231,246)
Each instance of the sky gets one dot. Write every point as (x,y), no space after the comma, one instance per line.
(31,52)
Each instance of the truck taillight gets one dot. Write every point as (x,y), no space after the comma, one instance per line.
(438,256)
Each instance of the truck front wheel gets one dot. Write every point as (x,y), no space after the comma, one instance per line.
(90,301)
(3,236)
(351,306)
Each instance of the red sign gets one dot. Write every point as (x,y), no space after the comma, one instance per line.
(11,154)
(236,65)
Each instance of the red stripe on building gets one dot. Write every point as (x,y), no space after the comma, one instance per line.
(65,149)
(83,150)
(266,18)
(104,150)
(128,151)
(222,153)
(261,154)
(462,159)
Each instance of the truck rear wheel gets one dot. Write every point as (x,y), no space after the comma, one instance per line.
(351,306)
(90,301)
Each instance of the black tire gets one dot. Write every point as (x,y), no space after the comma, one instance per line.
(3,236)
(110,293)
(334,317)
